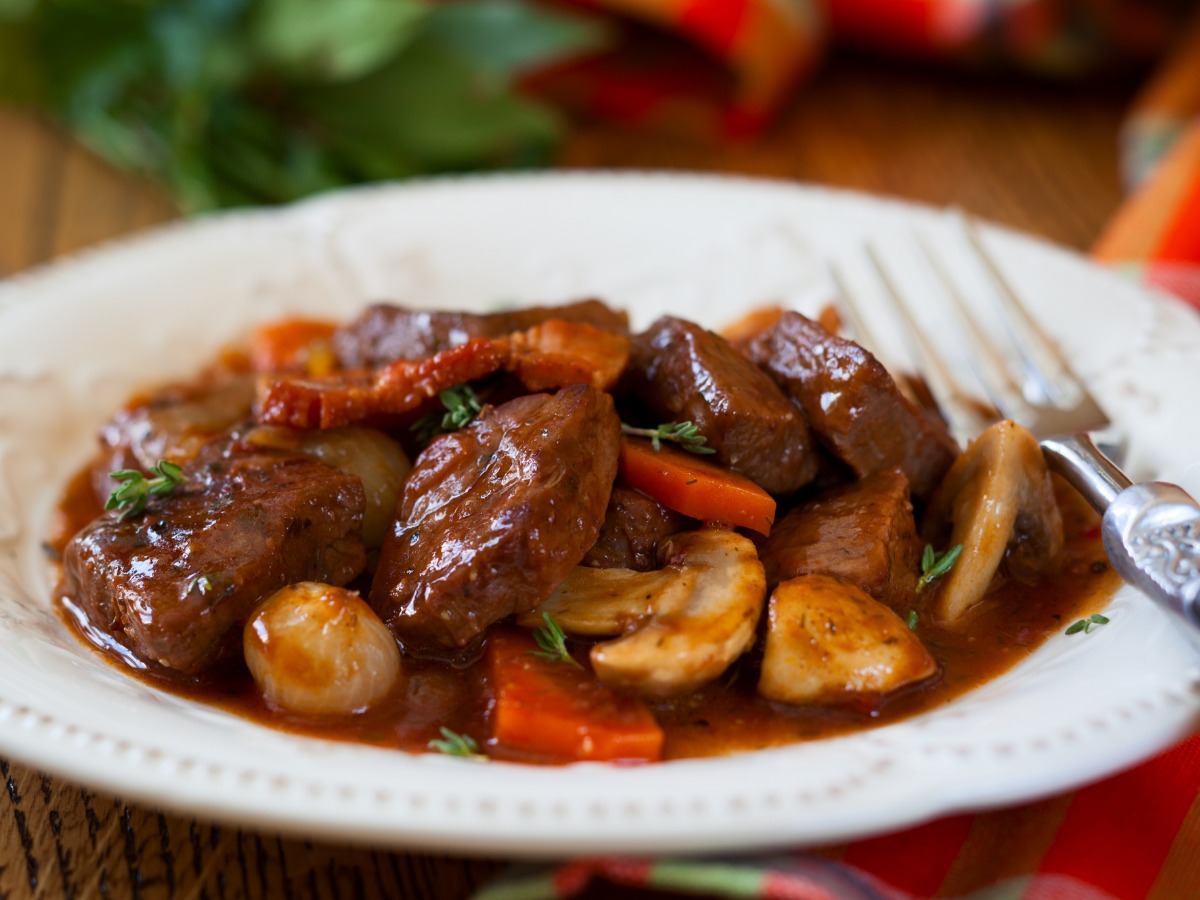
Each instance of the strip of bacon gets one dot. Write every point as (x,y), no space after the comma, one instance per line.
(548,356)
(556,353)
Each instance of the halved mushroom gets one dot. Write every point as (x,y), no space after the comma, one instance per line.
(610,601)
(999,498)
(681,645)
(828,642)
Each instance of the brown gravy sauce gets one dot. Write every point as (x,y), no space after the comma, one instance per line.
(724,717)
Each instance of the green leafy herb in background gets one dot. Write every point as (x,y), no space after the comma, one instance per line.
(230,102)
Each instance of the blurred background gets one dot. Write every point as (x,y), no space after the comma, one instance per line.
(1038,113)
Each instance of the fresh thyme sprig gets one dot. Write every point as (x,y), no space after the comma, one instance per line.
(1085,625)
(455,744)
(553,642)
(135,489)
(934,566)
(462,406)
(685,434)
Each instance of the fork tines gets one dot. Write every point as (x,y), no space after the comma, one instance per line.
(1021,371)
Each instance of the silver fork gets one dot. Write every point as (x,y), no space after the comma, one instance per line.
(1151,530)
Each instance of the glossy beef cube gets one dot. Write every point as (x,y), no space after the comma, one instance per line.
(633,526)
(495,515)
(863,533)
(176,583)
(680,372)
(853,404)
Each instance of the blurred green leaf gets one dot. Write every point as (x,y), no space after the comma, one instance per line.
(430,109)
(334,39)
(230,102)
(507,37)
(16,9)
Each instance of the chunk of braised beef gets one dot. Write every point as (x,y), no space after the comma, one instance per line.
(681,372)
(852,403)
(176,583)
(633,526)
(863,533)
(495,515)
(385,332)
(174,423)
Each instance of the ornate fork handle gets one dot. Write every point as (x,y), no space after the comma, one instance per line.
(1151,530)
(1152,536)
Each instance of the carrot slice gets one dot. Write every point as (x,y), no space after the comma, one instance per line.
(293,343)
(696,487)
(558,712)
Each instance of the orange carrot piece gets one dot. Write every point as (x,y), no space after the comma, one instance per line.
(558,712)
(292,343)
(696,487)
(749,326)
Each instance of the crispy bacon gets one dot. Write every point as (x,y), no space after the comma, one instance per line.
(558,353)
(549,356)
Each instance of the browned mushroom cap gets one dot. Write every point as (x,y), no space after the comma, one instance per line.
(828,642)
(676,651)
(999,498)
(681,625)
(605,602)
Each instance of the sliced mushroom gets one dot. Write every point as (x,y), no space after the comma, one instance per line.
(999,497)
(679,647)
(611,601)
(828,642)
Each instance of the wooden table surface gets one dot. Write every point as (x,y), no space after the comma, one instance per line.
(1028,155)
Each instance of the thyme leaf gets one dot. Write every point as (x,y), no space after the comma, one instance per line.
(934,565)
(553,642)
(462,406)
(455,744)
(1085,625)
(135,489)
(685,434)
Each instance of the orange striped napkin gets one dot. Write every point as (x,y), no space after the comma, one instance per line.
(1156,234)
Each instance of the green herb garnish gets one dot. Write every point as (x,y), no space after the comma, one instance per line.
(136,489)
(911,620)
(462,406)
(934,566)
(1085,625)
(455,744)
(553,642)
(237,102)
(685,434)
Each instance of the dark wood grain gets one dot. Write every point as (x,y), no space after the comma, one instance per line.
(1031,156)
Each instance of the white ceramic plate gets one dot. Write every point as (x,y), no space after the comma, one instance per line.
(78,337)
